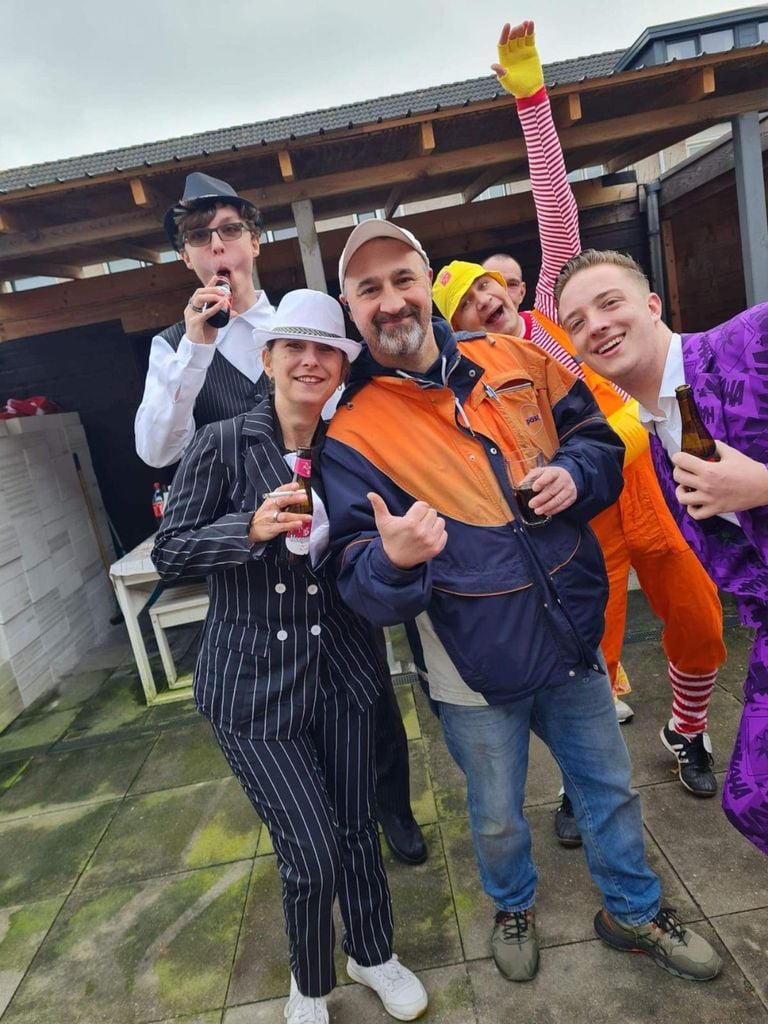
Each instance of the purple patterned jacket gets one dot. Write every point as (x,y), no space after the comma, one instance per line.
(727,368)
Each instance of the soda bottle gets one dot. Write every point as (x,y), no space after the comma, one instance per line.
(696,439)
(221,318)
(158,501)
(296,542)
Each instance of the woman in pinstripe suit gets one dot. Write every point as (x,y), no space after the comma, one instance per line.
(286,673)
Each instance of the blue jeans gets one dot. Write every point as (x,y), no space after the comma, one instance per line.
(578,724)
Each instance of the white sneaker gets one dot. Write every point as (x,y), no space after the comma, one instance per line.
(304,1009)
(624,712)
(401,992)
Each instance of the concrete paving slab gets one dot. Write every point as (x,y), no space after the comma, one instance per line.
(589,983)
(71,691)
(181,757)
(450,1002)
(43,856)
(22,929)
(723,871)
(11,772)
(652,701)
(34,733)
(738,640)
(407,705)
(447,779)
(177,713)
(75,777)
(155,950)
(260,968)
(114,651)
(422,795)
(567,899)
(746,938)
(426,929)
(190,827)
(118,707)
(426,932)
(214,1017)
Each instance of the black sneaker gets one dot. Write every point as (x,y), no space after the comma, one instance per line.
(666,940)
(566,829)
(694,760)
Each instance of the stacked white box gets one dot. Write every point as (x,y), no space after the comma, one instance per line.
(55,596)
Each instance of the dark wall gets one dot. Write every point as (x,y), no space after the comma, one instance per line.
(98,372)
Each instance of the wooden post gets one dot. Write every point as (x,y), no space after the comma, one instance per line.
(311,258)
(673,286)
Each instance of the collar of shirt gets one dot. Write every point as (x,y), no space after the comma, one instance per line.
(235,341)
(667,426)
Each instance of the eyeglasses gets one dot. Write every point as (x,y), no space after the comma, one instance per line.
(197,237)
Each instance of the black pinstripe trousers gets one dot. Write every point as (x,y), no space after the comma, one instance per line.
(315,793)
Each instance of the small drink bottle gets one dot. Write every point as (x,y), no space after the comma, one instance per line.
(696,439)
(221,319)
(296,543)
(158,501)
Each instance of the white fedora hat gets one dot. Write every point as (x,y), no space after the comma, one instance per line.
(312,316)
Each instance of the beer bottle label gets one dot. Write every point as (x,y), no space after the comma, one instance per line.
(303,468)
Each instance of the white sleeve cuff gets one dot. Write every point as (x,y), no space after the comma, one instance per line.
(196,357)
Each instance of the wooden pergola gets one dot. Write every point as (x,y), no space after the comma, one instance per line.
(324,170)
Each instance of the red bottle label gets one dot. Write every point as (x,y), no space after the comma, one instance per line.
(303,468)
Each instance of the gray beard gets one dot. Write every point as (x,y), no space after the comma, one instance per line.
(401,341)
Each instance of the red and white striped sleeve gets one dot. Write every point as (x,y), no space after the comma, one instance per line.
(558,217)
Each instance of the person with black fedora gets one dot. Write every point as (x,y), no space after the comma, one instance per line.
(198,375)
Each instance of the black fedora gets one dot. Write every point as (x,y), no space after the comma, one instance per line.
(201,190)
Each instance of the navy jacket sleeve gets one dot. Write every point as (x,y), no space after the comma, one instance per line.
(368,582)
(590,450)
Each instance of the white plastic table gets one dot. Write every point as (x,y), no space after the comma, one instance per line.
(135,578)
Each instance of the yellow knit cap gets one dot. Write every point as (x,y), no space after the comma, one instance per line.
(454,281)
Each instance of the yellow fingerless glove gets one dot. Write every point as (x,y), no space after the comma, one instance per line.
(520,59)
(626,422)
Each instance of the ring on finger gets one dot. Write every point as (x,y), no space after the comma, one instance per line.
(194,308)
(276,516)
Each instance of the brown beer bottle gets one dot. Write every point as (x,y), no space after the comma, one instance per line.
(696,439)
(296,543)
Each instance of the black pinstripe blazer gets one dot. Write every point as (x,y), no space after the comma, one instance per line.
(270,631)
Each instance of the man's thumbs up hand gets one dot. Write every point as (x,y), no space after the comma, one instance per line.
(411,539)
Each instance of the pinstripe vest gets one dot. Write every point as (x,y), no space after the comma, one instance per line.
(226,392)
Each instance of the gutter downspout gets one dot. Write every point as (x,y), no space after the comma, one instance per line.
(652,189)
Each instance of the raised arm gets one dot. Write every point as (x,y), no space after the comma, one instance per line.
(519,72)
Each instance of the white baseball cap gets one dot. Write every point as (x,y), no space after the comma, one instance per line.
(311,315)
(375,228)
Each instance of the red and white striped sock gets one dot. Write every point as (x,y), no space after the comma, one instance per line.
(690,700)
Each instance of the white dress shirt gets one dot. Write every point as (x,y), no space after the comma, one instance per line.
(668,427)
(164,422)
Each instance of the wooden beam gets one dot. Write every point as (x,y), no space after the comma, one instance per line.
(700,84)
(286,165)
(634,154)
(142,193)
(426,138)
(673,286)
(45,268)
(481,183)
(10,222)
(395,197)
(500,154)
(661,77)
(567,110)
(129,251)
(309,245)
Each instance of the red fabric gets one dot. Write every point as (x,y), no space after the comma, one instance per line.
(35,405)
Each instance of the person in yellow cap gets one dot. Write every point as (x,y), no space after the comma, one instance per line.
(638,529)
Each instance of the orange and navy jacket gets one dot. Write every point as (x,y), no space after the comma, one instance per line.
(516,608)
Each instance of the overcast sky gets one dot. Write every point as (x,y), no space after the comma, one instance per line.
(82,76)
